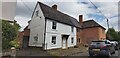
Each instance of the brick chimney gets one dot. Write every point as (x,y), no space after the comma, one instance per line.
(54,6)
(80,19)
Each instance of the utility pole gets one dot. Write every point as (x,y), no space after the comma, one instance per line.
(108,29)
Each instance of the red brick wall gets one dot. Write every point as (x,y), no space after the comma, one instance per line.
(26,32)
(19,39)
(89,34)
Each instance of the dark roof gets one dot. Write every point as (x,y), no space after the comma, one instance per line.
(91,23)
(26,27)
(56,15)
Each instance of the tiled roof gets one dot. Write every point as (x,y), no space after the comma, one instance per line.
(91,23)
(56,15)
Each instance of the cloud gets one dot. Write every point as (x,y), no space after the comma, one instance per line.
(22,21)
(25,9)
(74,8)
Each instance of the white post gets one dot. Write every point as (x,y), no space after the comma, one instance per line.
(13,52)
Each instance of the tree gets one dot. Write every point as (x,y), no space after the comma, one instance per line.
(9,33)
(112,34)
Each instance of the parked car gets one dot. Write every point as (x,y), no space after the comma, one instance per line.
(115,43)
(102,48)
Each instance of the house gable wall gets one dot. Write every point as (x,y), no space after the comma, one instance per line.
(37,27)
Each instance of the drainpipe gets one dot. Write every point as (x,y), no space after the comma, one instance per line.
(45,34)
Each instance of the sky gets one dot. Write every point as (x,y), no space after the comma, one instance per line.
(74,8)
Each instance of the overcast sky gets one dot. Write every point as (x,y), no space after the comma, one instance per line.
(73,8)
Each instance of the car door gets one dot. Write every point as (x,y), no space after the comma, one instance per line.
(109,46)
(112,48)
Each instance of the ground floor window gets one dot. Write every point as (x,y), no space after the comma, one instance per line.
(79,40)
(72,40)
(53,40)
(36,38)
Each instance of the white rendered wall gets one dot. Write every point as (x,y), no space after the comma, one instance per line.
(61,29)
(37,27)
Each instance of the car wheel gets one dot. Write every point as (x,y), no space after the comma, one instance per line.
(114,52)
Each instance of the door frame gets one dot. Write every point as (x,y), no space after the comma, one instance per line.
(65,41)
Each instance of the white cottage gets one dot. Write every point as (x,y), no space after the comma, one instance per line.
(51,29)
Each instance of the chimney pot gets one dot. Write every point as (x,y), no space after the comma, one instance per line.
(54,6)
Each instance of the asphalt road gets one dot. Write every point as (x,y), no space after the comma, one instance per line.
(117,53)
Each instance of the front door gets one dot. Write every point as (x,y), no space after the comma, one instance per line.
(64,41)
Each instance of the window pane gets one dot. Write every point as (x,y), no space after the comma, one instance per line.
(72,29)
(37,12)
(53,40)
(35,38)
(54,25)
(72,40)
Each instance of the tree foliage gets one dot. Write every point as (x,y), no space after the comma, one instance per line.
(112,34)
(9,33)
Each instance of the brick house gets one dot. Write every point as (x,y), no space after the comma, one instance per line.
(90,30)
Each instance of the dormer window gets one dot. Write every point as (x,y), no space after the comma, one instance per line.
(54,24)
(37,12)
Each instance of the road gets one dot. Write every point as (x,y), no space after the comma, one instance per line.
(117,53)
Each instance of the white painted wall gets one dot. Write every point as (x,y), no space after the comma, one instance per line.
(37,26)
(61,29)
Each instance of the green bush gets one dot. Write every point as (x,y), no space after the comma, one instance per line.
(14,44)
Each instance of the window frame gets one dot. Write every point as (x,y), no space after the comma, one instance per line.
(35,38)
(72,29)
(53,40)
(37,12)
(54,25)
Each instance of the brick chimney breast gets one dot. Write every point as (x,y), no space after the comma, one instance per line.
(80,19)
(54,6)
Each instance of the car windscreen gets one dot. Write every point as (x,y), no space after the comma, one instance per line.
(97,42)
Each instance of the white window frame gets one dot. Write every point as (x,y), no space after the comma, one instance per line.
(54,24)
(53,40)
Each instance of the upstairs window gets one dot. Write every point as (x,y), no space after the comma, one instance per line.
(54,25)
(37,12)
(53,40)
(72,28)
